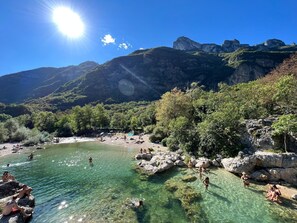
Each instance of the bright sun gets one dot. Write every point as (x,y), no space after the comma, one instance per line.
(68,22)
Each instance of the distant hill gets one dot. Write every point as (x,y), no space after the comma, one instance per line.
(31,84)
(147,74)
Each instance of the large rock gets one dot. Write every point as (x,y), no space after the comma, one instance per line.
(143,156)
(200,161)
(287,174)
(283,160)
(239,165)
(265,166)
(257,135)
(9,188)
(161,162)
(12,218)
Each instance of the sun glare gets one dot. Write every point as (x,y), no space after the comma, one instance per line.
(68,22)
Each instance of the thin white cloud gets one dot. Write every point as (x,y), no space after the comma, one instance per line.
(125,46)
(107,39)
(141,48)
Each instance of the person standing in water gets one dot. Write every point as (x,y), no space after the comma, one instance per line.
(206,183)
(30,157)
(245,179)
(90,160)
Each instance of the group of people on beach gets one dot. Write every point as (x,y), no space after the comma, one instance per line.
(145,151)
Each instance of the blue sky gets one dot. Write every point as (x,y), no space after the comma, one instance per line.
(29,38)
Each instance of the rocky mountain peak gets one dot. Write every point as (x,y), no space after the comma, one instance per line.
(272,43)
(184,43)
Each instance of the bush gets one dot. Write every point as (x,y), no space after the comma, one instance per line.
(3,134)
(149,129)
(20,134)
(164,142)
(172,143)
(37,137)
(159,133)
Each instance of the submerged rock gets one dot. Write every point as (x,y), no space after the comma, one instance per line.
(187,195)
(189,178)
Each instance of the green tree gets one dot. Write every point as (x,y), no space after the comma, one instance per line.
(45,121)
(11,126)
(63,126)
(172,105)
(82,119)
(218,133)
(118,121)
(134,123)
(3,133)
(185,134)
(101,118)
(286,92)
(285,125)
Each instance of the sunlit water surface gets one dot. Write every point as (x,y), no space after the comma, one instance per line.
(68,189)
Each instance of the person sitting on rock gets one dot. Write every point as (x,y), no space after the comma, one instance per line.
(24,192)
(7,177)
(12,207)
(245,179)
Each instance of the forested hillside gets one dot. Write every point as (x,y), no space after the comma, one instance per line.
(196,120)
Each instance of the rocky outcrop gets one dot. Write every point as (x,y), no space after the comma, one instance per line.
(272,43)
(9,188)
(265,166)
(184,43)
(257,135)
(160,162)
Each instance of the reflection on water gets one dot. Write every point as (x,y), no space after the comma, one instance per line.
(68,189)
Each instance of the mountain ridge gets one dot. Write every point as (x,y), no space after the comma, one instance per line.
(187,44)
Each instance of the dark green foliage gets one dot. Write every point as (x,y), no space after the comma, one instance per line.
(63,126)
(159,133)
(285,126)
(4,117)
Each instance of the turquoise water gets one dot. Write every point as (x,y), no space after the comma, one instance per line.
(68,189)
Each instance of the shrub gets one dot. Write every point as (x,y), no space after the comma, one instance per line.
(149,129)
(20,134)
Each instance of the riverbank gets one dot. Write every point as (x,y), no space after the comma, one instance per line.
(117,139)
(135,142)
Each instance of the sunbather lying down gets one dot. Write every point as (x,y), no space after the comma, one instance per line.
(12,207)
